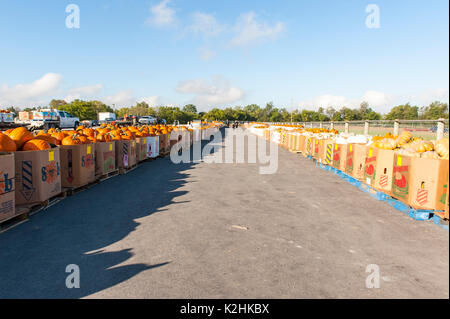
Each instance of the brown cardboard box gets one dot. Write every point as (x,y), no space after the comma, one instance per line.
(384,171)
(428,183)
(318,144)
(327,155)
(164,143)
(105,158)
(401,177)
(141,148)
(370,165)
(125,153)
(7,186)
(38,175)
(77,165)
(339,156)
(308,145)
(446,211)
(356,156)
(25,116)
(300,144)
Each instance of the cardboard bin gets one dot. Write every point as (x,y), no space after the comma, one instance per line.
(356,156)
(105,158)
(77,165)
(38,175)
(125,153)
(7,186)
(428,183)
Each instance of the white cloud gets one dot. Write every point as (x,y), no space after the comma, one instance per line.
(379,101)
(30,94)
(211,93)
(249,31)
(429,96)
(83,92)
(152,100)
(120,99)
(162,16)
(204,24)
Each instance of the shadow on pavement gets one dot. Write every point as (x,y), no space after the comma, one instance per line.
(34,255)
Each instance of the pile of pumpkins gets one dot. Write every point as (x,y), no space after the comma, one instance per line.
(21,139)
(406,144)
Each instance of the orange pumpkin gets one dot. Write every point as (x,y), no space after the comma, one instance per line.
(20,136)
(59,136)
(36,145)
(48,138)
(71,140)
(8,131)
(7,144)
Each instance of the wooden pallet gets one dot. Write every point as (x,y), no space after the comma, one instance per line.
(440,221)
(104,177)
(163,154)
(20,218)
(126,170)
(37,207)
(70,191)
(442,215)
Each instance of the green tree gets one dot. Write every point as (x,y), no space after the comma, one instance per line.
(403,112)
(434,111)
(54,104)
(190,108)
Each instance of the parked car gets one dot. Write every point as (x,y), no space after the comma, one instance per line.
(147,120)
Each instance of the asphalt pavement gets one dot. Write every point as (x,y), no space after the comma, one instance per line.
(201,230)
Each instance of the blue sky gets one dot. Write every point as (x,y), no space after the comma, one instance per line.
(298,54)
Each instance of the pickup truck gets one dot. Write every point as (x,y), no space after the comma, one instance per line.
(48,118)
(146,120)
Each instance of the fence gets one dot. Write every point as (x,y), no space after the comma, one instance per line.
(428,129)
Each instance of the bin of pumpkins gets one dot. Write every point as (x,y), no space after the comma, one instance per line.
(37,164)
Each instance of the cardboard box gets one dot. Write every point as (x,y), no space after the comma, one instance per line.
(105,158)
(316,148)
(356,156)
(38,175)
(300,144)
(77,165)
(125,153)
(370,165)
(164,143)
(446,210)
(7,186)
(308,146)
(428,183)
(25,116)
(327,155)
(153,146)
(141,148)
(339,156)
(384,171)
(401,177)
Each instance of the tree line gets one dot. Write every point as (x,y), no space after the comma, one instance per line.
(88,110)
